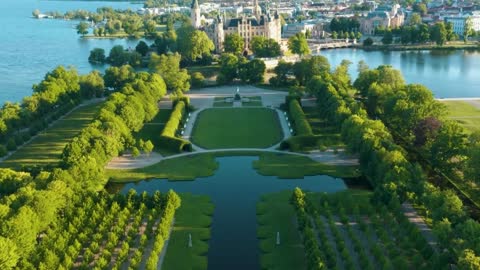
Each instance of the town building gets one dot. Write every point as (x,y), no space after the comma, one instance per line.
(459,21)
(260,23)
(384,17)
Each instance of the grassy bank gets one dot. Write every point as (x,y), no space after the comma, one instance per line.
(276,214)
(464,113)
(292,167)
(181,168)
(193,217)
(47,147)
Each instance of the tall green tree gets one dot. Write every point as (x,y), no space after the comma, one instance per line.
(193,44)
(298,44)
(168,66)
(265,47)
(439,33)
(387,37)
(234,43)
(82,28)
(9,255)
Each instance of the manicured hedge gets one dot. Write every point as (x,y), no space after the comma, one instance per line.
(300,122)
(168,137)
(175,119)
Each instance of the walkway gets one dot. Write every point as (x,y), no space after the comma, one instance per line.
(416,219)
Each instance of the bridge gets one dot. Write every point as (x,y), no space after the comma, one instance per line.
(316,45)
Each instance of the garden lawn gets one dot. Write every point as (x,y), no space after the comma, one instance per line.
(328,135)
(181,168)
(237,128)
(47,147)
(253,102)
(193,217)
(465,114)
(220,102)
(152,130)
(293,167)
(276,214)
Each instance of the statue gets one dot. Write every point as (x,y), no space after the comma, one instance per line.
(190,240)
(278,238)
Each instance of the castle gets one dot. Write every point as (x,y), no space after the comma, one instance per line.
(260,24)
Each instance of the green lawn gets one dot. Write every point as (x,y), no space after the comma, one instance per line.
(181,168)
(152,130)
(237,128)
(193,217)
(276,214)
(220,102)
(255,101)
(465,114)
(328,135)
(47,147)
(292,166)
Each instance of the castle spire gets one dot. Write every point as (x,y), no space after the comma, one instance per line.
(195,14)
(256,10)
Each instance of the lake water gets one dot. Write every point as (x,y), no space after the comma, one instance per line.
(235,189)
(449,74)
(29,48)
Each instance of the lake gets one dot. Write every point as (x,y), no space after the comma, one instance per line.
(235,189)
(31,47)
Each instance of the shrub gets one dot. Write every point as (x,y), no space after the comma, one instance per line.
(11,145)
(175,119)
(26,136)
(197,80)
(175,144)
(368,42)
(297,143)
(3,151)
(300,122)
(18,139)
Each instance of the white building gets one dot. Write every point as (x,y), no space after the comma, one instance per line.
(459,22)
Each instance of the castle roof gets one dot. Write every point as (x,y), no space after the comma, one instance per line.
(194,4)
(382,14)
(253,21)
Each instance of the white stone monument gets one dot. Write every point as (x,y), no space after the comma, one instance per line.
(190,240)
(278,238)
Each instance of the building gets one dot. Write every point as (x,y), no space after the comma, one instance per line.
(459,22)
(384,17)
(260,23)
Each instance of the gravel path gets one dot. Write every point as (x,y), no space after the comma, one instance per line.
(416,219)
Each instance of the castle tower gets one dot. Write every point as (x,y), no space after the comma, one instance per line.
(195,15)
(257,11)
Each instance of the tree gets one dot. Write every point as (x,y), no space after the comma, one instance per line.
(368,42)
(387,37)
(142,48)
(468,29)
(193,44)
(168,66)
(473,170)
(197,80)
(233,43)
(97,55)
(253,71)
(117,56)
(420,8)
(150,28)
(82,28)
(423,33)
(9,254)
(451,36)
(148,147)
(265,47)
(282,70)
(468,260)
(132,24)
(117,77)
(92,84)
(415,19)
(439,33)
(298,44)
(228,68)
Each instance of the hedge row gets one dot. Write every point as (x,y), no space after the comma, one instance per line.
(175,119)
(168,137)
(300,122)
(163,230)
(298,143)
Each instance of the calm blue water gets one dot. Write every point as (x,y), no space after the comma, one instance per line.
(29,47)
(235,189)
(448,74)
